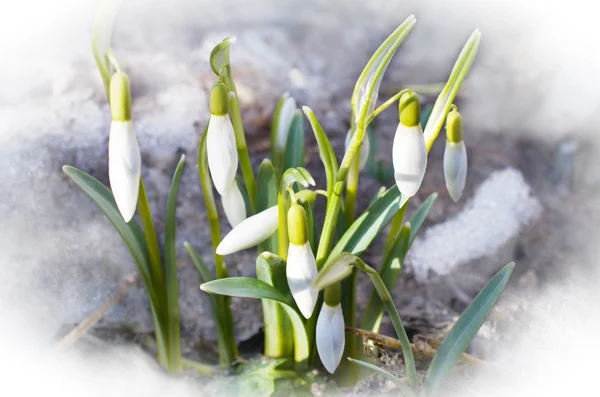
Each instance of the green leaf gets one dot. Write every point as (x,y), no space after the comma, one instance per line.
(275,155)
(133,237)
(366,90)
(219,56)
(244,287)
(266,197)
(131,233)
(270,268)
(174,350)
(420,215)
(364,229)
(334,271)
(326,152)
(404,389)
(446,97)
(390,269)
(294,147)
(461,334)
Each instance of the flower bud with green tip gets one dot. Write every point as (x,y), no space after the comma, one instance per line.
(250,232)
(365,147)
(124,158)
(330,336)
(301,268)
(409,150)
(455,156)
(234,205)
(220,142)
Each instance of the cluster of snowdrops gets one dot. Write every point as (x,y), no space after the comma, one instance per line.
(305,272)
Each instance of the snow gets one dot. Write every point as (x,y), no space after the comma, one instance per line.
(502,206)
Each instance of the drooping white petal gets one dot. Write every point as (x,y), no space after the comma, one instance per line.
(222,152)
(330,336)
(301,271)
(286,114)
(124,167)
(250,232)
(455,168)
(234,205)
(364,149)
(409,158)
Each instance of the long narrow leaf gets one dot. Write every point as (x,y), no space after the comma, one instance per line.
(244,287)
(404,389)
(364,229)
(461,334)
(266,197)
(171,272)
(391,267)
(366,90)
(271,269)
(446,97)
(326,152)
(418,218)
(294,147)
(131,233)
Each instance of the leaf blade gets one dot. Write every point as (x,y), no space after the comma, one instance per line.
(171,284)
(294,148)
(244,287)
(461,334)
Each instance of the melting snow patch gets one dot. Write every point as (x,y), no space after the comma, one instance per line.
(502,205)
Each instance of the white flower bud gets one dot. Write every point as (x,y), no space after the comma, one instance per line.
(234,205)
(455,168)
(409,159)
(124,167)
(222,152)
(301,268)
(330,336)
(250,232)
(364,149)
(301,271)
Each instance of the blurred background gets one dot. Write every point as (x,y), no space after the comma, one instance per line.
(531,105)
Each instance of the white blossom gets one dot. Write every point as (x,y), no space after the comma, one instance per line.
(124,167)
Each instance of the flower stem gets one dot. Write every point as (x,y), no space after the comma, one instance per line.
(226,338)
(242,148)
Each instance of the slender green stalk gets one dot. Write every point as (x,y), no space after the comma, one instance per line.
(226,338)
(242,148)
(282,231)
(386,298)
(156,276)
(145,213)
(386,105)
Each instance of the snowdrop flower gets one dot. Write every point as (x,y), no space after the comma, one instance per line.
(124,158)
(220,142)
(365,147)
(234,205)
(409,151)
(286,111)
(330,336)
(455,156)
(250,232)
(301,268)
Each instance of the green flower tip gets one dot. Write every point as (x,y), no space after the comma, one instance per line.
(409,109)
(120,97)
(297,225)
(333,295)
(218,99)
(454,126)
